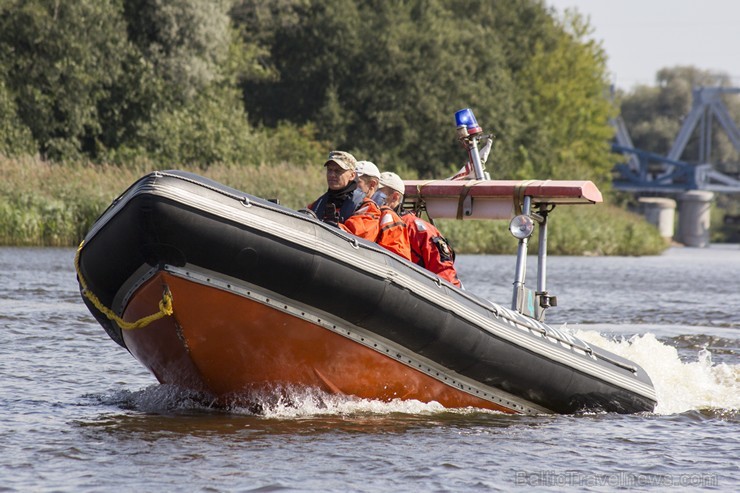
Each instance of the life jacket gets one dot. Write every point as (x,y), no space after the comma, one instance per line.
(338,206)
(394,235)
(365,222)
(429,249)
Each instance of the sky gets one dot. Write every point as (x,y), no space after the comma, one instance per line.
(641,37)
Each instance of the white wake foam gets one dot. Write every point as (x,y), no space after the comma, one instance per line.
(680,386)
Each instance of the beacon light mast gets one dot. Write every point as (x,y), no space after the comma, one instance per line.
(469,134)
(524,300)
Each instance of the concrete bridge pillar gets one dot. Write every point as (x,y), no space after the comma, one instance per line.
(661,213)
(693,218)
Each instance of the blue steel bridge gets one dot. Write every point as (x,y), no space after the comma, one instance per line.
(647,173)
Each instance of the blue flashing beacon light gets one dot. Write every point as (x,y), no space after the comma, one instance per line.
(466,119)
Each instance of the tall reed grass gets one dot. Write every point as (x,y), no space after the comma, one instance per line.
(45,204)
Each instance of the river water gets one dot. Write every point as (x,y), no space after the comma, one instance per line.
(79,414)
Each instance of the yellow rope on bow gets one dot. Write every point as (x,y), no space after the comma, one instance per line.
(165,304)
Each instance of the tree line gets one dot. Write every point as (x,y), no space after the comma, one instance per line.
(258,81)
(250,82)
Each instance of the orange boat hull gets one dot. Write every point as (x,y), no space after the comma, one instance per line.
(229,346)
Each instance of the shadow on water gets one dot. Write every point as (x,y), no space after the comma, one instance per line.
(209,424)
(161,411)
(164,412)
(233,428)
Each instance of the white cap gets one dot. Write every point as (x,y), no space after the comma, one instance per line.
(392,181)
(368,169)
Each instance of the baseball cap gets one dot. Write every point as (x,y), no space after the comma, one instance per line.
(345,160)
(392,181)
(368,169)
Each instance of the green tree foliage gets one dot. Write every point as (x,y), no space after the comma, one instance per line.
(114,79)
(566,107)
(186,111)
(383,79)
(61,60)
(204,131)
(186,41)
(379,78)
(15,137)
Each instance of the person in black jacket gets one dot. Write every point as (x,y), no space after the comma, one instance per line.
(342,197)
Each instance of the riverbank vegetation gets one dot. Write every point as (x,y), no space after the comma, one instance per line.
(47,204)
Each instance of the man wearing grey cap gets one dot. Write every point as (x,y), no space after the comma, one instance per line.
(342,198)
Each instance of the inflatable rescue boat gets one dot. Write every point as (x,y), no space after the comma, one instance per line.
(221,292)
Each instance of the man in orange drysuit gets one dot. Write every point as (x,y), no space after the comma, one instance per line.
(429,248)
(365,222)
(391,232)
(394,234)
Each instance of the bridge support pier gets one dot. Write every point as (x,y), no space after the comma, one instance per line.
(694,209)
(661,213)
